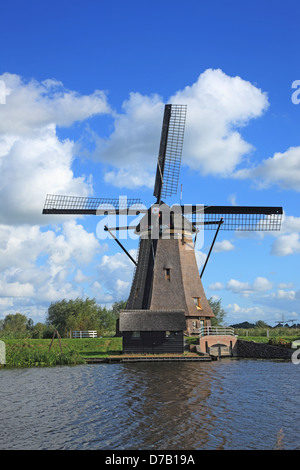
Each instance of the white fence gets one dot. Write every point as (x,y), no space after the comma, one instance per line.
(85,334)
(216,330)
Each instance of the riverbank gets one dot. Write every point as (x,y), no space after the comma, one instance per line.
(36,353)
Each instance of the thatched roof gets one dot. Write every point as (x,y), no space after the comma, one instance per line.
(152,320)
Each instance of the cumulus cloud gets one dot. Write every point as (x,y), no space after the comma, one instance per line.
(38,265)
(115,274)
(32,105)
(218,106)
(42,266)
(283,170)
(33,160)
(260,284)
(286,245)
(224,245)
(216,286)
(287,241)
(133,146)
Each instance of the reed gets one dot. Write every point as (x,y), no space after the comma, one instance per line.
(35,352)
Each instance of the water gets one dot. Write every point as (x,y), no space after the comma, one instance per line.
(231,404)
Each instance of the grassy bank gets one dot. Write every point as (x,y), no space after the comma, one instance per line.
(35,352)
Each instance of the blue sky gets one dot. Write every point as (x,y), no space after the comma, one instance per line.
(85,83)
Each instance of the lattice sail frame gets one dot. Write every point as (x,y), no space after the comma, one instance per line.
(238,218)
(170,151)
(58,204)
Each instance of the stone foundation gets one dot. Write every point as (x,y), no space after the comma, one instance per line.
(218,345)
(250,349)
(230,346)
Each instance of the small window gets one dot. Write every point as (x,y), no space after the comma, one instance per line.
(168,274)
(171,334)
(197,301)
(136,334)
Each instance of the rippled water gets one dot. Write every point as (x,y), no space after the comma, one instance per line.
(155,406)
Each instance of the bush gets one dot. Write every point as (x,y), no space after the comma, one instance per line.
(280,342)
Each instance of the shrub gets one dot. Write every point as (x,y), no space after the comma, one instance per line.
(280,342)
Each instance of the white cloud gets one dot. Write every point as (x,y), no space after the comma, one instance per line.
(286,245)
(32,167)
(218,105)
(22,245)
(240,314)
(259,285)
(235,308)
(32,105)
(129,178)
(282,294)
(115,274)
(133,146)
(224,245)
(39,266)
(216,286)
(33,160)
(81,277)
(239,287)
(16,289)
(287,241)
(200,258)
(74,242)
(283,169)
(42,266)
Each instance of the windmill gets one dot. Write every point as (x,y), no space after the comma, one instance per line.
(167,294)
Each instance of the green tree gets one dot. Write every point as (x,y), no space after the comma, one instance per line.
(16,325)
(218,310)
(38,330)
(117,307)
(261,324)
(78,314)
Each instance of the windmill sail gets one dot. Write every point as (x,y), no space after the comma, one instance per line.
(241,218)
(55,204)
(170,151)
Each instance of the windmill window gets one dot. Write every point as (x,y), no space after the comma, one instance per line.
(168,274)
(136,334)
(197,301)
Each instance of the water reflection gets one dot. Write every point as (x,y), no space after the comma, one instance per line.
(173,406)
(161,406)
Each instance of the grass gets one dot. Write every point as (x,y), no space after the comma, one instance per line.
(35,352)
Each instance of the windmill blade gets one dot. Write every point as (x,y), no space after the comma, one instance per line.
(55,204)
(170,151)
(242,218)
